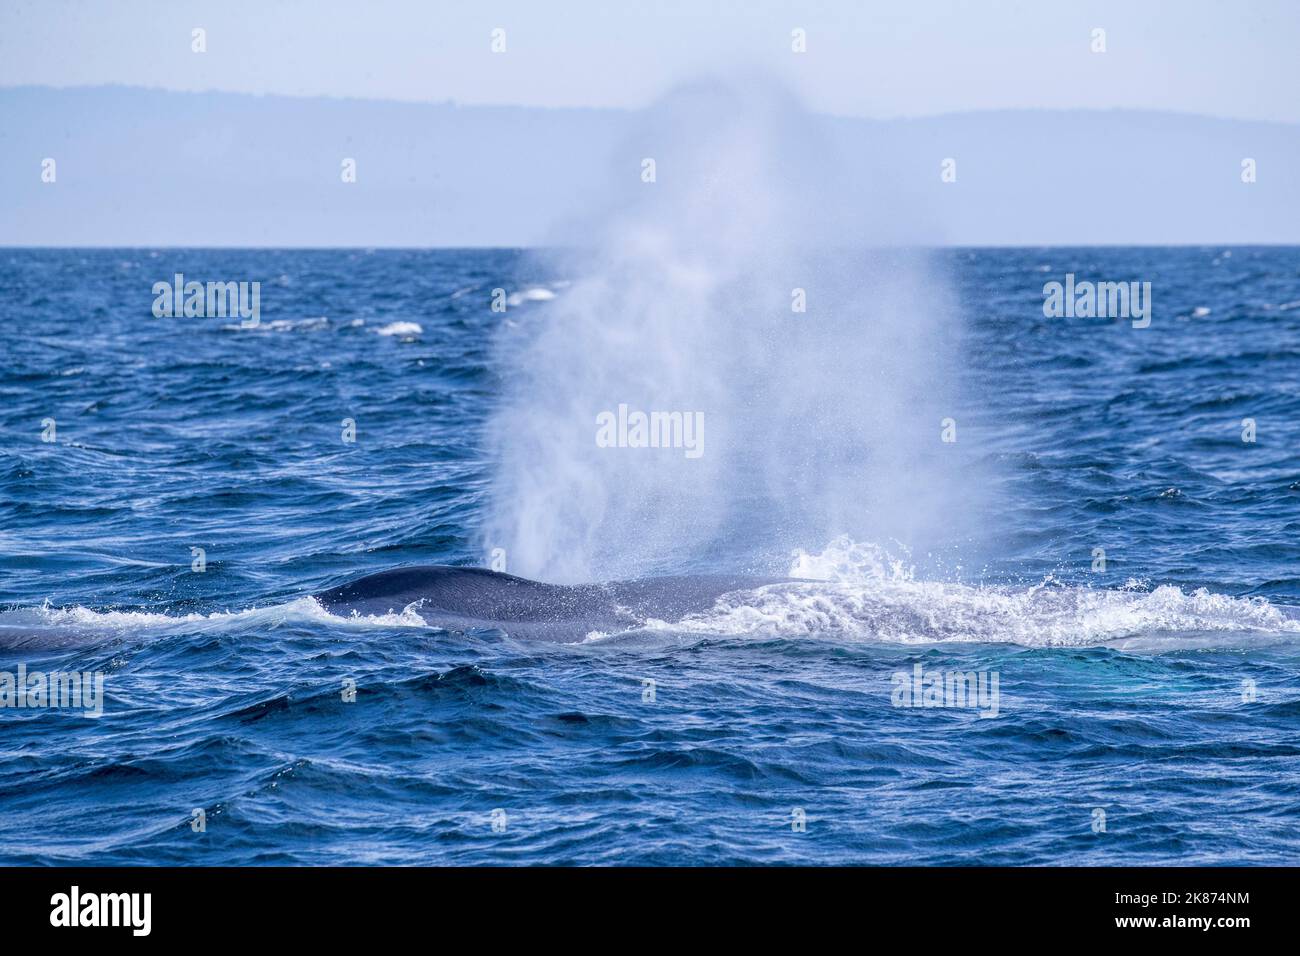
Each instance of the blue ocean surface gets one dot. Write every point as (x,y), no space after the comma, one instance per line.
(172,490)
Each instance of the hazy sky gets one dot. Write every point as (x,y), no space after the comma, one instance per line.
(1231,58)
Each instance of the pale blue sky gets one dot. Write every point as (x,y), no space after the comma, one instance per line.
(1231,58)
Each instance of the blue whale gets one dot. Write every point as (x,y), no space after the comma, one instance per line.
(459,599)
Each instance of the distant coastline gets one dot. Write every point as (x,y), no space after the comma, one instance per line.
(143,167)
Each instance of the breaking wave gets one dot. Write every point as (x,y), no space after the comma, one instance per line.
(848,590)
(859,590)
(47,626)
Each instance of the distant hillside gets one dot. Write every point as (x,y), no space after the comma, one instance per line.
(144,167)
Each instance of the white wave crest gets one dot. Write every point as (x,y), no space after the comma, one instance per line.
(64,625)
(404,330)
(861,591)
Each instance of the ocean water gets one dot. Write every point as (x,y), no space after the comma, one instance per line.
(1146,707)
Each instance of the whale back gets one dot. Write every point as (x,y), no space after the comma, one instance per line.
(460,598)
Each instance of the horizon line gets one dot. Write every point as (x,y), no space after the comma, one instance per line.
(454,104)
(8,247)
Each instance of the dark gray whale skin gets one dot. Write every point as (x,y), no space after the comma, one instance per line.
(459,599)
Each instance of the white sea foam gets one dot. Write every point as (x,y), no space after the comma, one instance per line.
(311,324)
(912,612)
(404,330)
(859,590)
(48,624)
(847,590)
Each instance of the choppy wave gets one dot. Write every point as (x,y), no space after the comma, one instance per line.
(47,625)
(686,742)
(400,329)
(914,612)
(849,589)
(860,590)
